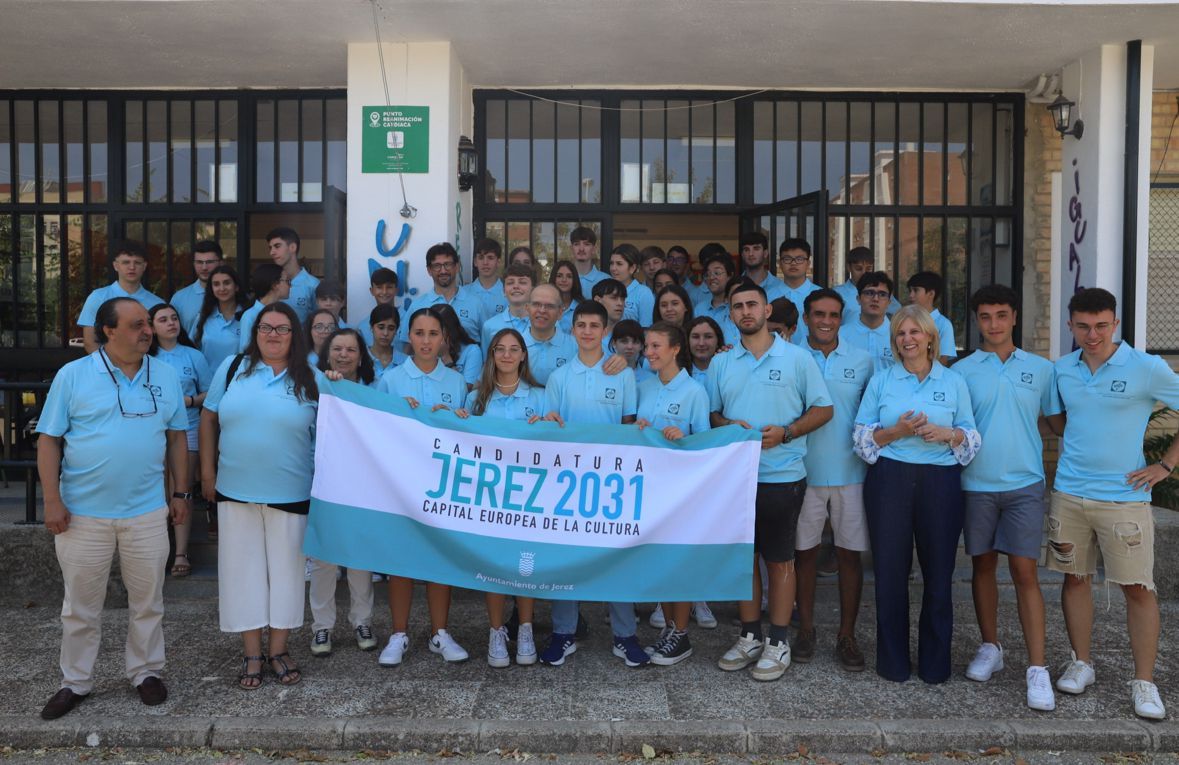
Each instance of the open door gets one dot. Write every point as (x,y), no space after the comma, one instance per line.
(803,217)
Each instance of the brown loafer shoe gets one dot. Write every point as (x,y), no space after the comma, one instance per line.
(803,648)
(61,704)
(848,654)
(152,691)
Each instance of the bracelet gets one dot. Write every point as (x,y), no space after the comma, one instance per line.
(1170,468)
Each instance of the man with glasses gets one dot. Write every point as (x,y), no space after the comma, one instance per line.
(108,423)
(442,262)
(548,347)
(187,301)
(869,329)
(283,245)
(129,262)
(860,261)
(1105,393)
(519,280)
(794,256)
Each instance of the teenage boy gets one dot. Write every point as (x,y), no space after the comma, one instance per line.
(652,260)
(611,293)
(442,263)
(755,259)
(869,328)
(1004,485)
(794,256)
(718,275)
(283,244)
(582,392)
(859,262)
(584,243)
(382,285)
(268,284)
(188,300)
(330,296)
(835,483)
(699,293)
(776,387)
(926,289)
(130,264)
(1106,392)
(519,280)
(487,287)
(783,320)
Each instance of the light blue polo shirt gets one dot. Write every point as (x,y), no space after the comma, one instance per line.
(851,302)
(302,297)
(441,386)
(249,318)
(642,372)
(380,369)
(470,364)
(546,355)
(221,338)
(682,403)
(99,296)
(194,373)
(947,345)
(266,452)
(1107,417)
(366,330)
(773,390)
(774,287)
(1008,398)
(588,395)
(491,299)
(640,303)
(112,466)
(565,323)
(187,301)
(700,376)
(698,293)
(798,297)
(522,404)
(720,314)
(942,396)
(502,321)
(465,304)
(589,280)
(829,459)
(877,342)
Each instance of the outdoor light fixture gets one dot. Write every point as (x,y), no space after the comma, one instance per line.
(468,163)
(1062,115)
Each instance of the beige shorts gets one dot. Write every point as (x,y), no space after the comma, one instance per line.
(844,505)
(1123,531)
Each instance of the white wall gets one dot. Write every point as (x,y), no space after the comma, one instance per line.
(418,74)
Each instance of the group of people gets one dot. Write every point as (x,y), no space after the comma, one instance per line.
(869,424)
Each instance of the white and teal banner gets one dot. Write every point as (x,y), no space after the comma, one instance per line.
(582,512)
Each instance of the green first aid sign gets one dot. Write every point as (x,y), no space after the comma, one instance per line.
(396,139)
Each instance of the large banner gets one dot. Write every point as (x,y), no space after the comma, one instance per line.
(580,512)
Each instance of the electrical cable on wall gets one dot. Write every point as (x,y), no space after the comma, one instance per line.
(407,210)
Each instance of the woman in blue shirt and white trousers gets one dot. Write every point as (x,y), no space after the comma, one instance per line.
(915,428)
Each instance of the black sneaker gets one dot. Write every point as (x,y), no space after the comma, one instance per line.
(803,648)
(672,649)
(582,631)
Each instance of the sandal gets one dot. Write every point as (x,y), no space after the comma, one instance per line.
(287,672)
(251,681)
(181,569)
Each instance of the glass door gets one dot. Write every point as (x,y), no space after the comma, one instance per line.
(169,241)
(801,217)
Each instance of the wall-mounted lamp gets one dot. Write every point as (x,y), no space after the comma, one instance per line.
(1062,116)
(468,163)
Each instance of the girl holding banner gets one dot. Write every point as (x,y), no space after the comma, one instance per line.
(507,389)
(423,381)
(677,405)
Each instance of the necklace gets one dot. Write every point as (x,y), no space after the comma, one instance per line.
(509,386)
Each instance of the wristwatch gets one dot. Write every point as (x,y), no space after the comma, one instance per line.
(788,437)
(182,495)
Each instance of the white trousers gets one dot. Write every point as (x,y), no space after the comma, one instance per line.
(84,552)
(259,567)
(322,594)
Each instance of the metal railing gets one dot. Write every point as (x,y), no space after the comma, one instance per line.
(1162,287)
(22,405)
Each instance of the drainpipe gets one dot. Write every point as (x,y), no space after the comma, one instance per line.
(1130,189)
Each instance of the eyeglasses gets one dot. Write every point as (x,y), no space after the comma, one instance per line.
(546,306)
(507,350)
(438,265)
(796,259)
(269,329)
(322,328)
(875,294)
(677,259)
(119,391)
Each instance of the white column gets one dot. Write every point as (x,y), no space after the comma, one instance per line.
(418,74)
(1090,227)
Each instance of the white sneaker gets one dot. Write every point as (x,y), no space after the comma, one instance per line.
(321,643)
(394,651)
(986,662)
(525,645)
(703,615)
(774,661)
(1040,695)
(497,648)
(444,644)
(743,653)
(1076,677)
(1147,703)
(657,619)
